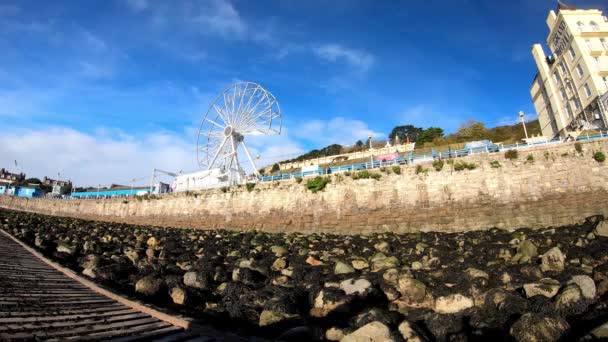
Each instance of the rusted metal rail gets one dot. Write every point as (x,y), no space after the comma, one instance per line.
(40,300)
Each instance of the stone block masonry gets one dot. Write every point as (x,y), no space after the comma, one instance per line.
(557,186)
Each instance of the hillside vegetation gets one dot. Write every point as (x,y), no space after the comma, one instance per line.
(432,137)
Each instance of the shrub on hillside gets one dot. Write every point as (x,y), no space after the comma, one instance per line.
(495,164)
(438,164)
(530,158)
(459,166)
(578,147)
(599,156)
(396,170)
(298,180)
(511,154)
(317,184)
(376,176)
(360,175)
(420,169)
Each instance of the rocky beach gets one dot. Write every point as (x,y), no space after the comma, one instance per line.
(524,285)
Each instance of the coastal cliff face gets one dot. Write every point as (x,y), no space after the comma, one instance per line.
(545,186)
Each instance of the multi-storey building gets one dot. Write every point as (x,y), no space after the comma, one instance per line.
(570,88)
(10,178)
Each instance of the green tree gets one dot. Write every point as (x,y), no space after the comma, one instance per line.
(429,135)
(472,130)
(405,131)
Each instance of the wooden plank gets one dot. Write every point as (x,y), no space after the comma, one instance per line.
(141,333)
(91,321)
(126,327)
(61,311)
(40,319)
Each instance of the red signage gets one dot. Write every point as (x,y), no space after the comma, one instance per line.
(387,157)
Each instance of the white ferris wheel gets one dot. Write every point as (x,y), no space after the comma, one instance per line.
(243,109)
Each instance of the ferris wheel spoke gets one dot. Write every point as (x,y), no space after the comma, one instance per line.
(217,153)
(254,118)
(241,98)
(215,123)
(220,113)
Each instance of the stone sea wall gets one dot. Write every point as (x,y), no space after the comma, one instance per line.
(557,186)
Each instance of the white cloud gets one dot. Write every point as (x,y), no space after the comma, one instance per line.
(109,155)
(94,42)
(221,17)
(96,71)
(338,130)
(358,59)
(91,159)
(137,5)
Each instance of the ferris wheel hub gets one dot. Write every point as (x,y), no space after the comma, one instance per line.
(228,131)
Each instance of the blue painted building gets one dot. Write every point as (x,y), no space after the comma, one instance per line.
(112,193)
(28,192)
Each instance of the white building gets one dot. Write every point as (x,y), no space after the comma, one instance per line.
(572,82)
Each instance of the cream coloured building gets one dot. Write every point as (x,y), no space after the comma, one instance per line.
(570,89)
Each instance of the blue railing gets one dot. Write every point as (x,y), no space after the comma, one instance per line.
(413,157)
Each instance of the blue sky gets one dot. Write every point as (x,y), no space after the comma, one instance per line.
(104,91)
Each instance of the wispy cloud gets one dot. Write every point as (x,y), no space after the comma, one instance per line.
(137,5)
(359,59)
(220,17)
(91,159)
(338,130)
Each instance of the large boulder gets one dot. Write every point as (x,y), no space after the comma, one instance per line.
(412,290)
(372,332)
(149,285)
(537,327)
(453,303)
(196,280)
(359,287)
(545,287)
(602,229)
(343,268)
(553,260)
(329,300)
(408,333)
(269,317)
(64,247)
(526,250)
(179,295)
(586,284)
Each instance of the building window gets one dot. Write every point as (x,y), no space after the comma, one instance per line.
(572,54)
(569,109)
(604,43)
(562,67)
(605,81)
(588,43)
(577,104)
(581,26)
(594,26)
(579,70)
(563,92)
(597,62)
(587,90)
(556,78)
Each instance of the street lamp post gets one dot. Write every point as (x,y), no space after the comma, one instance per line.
(523,123)
(371,157)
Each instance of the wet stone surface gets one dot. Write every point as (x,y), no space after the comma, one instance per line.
(547,284)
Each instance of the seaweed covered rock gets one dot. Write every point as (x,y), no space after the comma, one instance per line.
(535,327)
